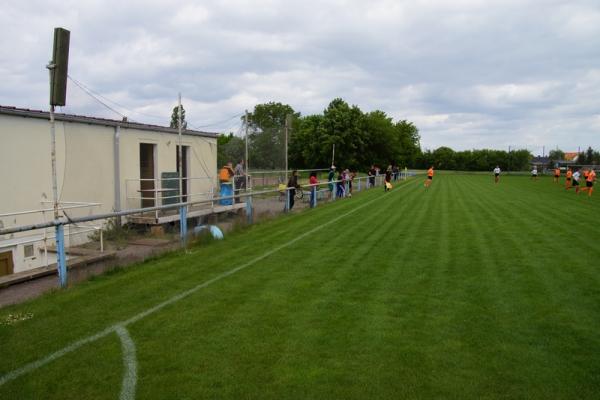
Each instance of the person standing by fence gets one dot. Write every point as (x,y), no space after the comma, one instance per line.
(331,179)
(239,178)
(314,182)
(292,185)
(372,173)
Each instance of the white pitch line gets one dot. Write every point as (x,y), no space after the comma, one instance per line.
(75,345)
(129,364)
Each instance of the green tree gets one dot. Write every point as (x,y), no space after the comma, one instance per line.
(267,134)
(174,118)
(229,148)
(556,155)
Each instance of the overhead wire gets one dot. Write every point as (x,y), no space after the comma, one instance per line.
(89,93)
(97,96)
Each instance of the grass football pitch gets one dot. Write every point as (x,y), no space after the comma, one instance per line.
(464,290)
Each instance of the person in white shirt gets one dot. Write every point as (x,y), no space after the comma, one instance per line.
(497,174)
(534,173)
(576,176)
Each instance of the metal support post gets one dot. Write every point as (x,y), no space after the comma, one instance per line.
(183,224)
(249,215)
(61,259)
(287,200)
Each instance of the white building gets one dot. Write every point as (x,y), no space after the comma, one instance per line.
(102,165)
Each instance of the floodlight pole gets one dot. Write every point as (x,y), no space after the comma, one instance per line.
(51,67)
(61,259)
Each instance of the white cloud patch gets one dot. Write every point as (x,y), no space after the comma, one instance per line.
(469,73)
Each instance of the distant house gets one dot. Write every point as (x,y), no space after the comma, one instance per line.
(571,157)
(102,165)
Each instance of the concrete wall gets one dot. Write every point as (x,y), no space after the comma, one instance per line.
(86,173)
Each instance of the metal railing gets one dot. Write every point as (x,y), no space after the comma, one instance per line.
(364,182)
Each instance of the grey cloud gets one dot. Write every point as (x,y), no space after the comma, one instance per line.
(469,73)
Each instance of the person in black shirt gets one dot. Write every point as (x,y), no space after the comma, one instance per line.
(372,173)
(292,186)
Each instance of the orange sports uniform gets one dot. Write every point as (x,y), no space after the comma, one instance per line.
(569,179)
(590,177)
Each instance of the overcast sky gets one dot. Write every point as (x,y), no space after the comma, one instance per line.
(469,74)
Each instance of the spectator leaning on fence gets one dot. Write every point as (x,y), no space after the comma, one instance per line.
(240,175)
(292,186)
(372,174)
(314,182)
(331,178)
(226,173)
(340,185)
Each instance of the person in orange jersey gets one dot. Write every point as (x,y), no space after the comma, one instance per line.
(589,182)
(569,178)
(429,177)
(556,174)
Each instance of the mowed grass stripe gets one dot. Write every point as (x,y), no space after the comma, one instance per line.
(443,292)
(316,228)
(139,288)
(292,278)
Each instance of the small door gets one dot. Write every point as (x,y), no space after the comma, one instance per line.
(184,164)
(6,263)
(147,189)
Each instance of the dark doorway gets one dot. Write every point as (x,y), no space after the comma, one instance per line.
(185,150)
(147,187)
(6,263)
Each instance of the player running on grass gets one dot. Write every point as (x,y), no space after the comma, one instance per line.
(534,173)
(556,174)
(429,177)
(589,182)
(569,178)
(497,174)
(576,177)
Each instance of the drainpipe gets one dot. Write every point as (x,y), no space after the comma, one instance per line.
(117,178)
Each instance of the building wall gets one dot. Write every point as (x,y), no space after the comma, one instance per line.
(85,173)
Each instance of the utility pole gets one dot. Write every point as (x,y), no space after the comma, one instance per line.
(333,155)
(246,150)
(179,151)
(509,157)
(183,208)
(287,118)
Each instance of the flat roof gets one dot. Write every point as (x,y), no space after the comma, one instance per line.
(27,113)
